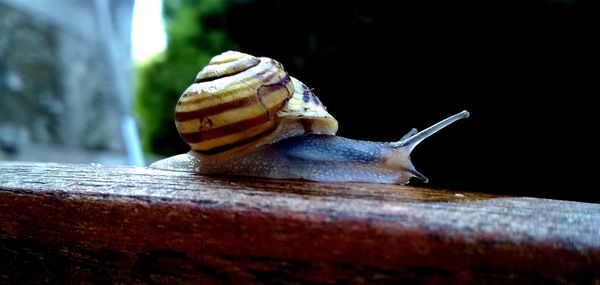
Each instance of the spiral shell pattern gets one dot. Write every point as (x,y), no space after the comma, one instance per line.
(239,101)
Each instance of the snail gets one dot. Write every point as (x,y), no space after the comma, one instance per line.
(245,116)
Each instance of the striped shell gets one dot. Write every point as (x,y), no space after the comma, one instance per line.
(239,102)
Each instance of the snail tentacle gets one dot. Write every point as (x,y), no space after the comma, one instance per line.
(411,142)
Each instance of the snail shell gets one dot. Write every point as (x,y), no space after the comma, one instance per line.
(239,102)
(246,116)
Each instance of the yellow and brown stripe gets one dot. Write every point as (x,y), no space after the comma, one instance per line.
(233,103)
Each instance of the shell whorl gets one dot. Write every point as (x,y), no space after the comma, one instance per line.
(239,101)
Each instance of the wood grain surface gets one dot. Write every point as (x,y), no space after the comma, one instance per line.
(62,223)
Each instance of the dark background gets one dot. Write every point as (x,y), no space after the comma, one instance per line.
(525,70)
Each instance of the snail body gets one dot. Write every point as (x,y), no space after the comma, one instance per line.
(245,116)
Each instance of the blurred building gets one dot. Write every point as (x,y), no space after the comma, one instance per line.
(65,79)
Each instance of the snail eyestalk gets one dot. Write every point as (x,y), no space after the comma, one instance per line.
(411,142)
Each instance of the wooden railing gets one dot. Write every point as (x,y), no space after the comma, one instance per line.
(93,224)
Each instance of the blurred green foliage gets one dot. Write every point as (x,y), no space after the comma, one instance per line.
(195,34)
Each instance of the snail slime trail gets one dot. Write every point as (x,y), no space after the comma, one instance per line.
(245,116)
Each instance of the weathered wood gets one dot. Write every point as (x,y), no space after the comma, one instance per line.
(89,223)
